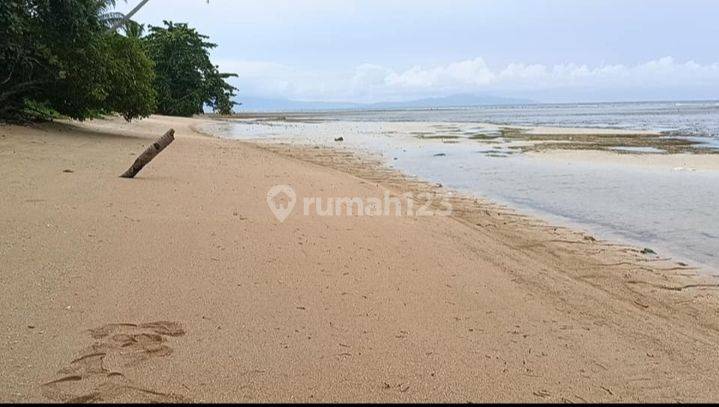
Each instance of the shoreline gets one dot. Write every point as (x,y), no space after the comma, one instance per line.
(413,147)
(369,168)
(675,162)
(523,138)
(486,305)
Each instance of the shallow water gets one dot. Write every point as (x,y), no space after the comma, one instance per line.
(676,213)
(652,150)
(695,118)
(673,212)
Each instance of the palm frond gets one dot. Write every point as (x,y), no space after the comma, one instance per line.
(133,29)
(111,18)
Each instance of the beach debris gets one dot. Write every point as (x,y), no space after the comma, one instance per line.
(68,171)
(150,152)
(440,155)
(647,250)
(340,138)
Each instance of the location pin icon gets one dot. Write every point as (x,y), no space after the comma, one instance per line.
(275,195)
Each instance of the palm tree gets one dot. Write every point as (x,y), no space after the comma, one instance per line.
(108,17)
(116,20)
(133,29)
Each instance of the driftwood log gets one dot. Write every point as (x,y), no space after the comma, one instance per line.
(150,152)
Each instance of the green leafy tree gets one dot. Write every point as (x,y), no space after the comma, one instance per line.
(23,63)
(59,54)
(220,92)
(130,74)
(185,78)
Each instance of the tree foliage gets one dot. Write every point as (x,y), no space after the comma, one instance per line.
(185,78)
(130,73)
(59,56)
(133,29)
(58,53)
(23,64)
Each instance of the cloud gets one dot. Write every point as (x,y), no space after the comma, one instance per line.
(663,72)
(473,73)
(371,82)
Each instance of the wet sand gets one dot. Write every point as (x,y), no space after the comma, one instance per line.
(621,185)
(676,162)
(181,285)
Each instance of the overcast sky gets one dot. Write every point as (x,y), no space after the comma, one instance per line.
(378,50)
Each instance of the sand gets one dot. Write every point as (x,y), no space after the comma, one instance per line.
(180,285)
(674,162)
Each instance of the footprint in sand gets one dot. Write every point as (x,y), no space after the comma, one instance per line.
(96,374)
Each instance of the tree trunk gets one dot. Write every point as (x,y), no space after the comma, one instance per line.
(150,152)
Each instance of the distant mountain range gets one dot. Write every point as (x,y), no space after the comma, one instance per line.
(250,104)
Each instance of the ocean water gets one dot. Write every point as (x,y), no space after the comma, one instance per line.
(674,212)
(688,118)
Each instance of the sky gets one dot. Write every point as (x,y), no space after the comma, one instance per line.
(392,50)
